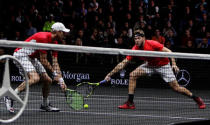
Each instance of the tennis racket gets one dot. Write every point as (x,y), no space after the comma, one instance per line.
(87,88)
(74,99)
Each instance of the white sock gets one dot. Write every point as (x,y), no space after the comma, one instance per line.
(45,101)
(17,91)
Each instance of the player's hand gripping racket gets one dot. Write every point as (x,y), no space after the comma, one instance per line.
(87,88)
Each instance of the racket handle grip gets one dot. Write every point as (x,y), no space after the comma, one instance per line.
(103,81)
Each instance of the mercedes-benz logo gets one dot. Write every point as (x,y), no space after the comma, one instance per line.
(183,77)
(7,90)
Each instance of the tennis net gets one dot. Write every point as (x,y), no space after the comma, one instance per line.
(155,101)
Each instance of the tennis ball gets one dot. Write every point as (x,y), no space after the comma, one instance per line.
(85,105)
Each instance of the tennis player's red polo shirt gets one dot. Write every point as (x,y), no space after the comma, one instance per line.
(40,37)
(151,45)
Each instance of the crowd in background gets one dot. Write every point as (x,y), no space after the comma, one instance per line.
(110,23)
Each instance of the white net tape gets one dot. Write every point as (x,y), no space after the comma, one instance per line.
(100,50)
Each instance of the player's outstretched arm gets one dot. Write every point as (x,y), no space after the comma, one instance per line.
(45,62)
(119,67)
(173,62)
(57,73)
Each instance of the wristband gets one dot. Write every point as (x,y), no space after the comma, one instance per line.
(60,80)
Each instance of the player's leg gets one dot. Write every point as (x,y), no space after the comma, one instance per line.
(33,79)
(177,88)
(169,77)
(134,75)
(27,63)
(46,82)
(32,75)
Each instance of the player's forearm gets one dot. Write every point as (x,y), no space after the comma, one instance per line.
(119,67)
(56,68)
(55,65)
(47,65)
(173,62)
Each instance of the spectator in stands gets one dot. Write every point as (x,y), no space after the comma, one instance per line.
(139,21)
(111,36)
(30,30)
(17,36)
(203,43)
(3,36)
(47,25)
(80,35)
(186,37)
(128,28)
(191,26)
(199,12)
(170,37)
(78,41)
(83,11)
(94,38)
(112,22)
(129,19)
(201,31)
(190,44)
(80,57)
(94,4)
(203,3)
(120,43)
(167,28)
(157,21)
(158,37)
(153,9)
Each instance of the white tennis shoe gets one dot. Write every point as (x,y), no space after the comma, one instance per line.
(9,104)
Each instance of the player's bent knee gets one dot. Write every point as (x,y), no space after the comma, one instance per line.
(47,80)
(176,89)
(175,86)
(133,76)
(35,79)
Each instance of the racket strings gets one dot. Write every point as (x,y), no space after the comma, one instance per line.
(75,100)
(84,89)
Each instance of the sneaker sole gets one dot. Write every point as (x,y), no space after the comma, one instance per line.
(42,110)
(126,108)
(202,107)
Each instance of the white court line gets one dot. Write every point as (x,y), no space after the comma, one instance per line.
(138,97)
(148,101)
(126,115)
(98,97)
(119,98)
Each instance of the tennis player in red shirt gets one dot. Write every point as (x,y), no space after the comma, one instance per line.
(160,65)
(35,62)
